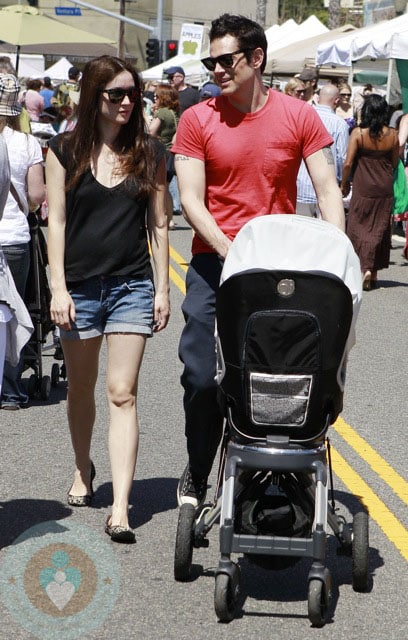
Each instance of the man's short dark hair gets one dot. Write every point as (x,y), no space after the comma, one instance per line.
(249,34)
(73,73)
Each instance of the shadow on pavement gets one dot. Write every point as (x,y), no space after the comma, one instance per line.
(151,496)
(16,516)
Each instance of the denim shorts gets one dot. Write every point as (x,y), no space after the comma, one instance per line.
(111,304)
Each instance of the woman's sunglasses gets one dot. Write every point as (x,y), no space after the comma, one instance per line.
(226,60)
(346,95)
(117,95)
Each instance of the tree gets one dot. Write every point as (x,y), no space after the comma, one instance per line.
(261,12)
(334,14)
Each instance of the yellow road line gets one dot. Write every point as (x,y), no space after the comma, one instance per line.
(178,259)
(373,459)
(178,280)
(385,519)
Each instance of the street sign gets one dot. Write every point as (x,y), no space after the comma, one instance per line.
(67,11)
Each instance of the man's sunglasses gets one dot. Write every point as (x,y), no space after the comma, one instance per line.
(226,60)
(117,95)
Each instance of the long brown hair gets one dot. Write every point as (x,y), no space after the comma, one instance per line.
(133,144)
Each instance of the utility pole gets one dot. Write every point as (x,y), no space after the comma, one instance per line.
(121,36)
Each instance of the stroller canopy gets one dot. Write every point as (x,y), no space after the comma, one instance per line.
(296,243)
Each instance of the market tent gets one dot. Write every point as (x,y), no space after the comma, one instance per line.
(385,40)
(307,29)
(59,70)
(196,73)
(277,32)
(31,65)
(291,58)
(375,41)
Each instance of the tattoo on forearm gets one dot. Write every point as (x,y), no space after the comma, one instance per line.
(328,155)
(178,156)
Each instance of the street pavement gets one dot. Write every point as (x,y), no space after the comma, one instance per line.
(37,467)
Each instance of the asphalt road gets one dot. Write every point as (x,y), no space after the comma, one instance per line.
(370,446)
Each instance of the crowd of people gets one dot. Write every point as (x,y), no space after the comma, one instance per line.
(117,161)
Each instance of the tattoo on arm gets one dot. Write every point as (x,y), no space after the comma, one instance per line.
(178,156)
(328,155)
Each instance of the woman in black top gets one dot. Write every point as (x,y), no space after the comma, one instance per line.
(106,192)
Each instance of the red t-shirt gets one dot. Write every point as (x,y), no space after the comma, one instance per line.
(251,159)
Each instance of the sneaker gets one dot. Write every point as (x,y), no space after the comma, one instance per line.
(191,488)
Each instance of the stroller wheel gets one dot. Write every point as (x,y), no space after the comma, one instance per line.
(226,595)
(360,551)
(32,385)
(318,600)
(55,375)
(183,555)
(45,387)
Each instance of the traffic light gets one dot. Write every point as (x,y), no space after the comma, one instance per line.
(152,52)
(171,49)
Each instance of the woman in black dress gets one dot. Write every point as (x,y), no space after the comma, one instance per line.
(372,154)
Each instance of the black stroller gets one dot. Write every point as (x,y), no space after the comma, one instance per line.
(286,311)
(37,300)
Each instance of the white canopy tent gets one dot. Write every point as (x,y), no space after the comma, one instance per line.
(31,64)
(387,40)
(291,58)
(59,70)
(307,29)
(196,73)
(376,41)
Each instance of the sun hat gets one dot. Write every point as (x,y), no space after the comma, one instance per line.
(9,88)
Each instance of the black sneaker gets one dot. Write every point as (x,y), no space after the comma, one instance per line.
(191,489)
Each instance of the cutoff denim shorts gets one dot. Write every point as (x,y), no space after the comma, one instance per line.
(111,304)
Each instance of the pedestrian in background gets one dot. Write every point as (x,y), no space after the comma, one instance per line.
(345,108)
(32,100)
(164,126)
(372,155)
(306,201)
(106,193)
(28,191)
(187,95)
(295,88)
(47,91)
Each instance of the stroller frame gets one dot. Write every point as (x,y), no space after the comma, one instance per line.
(37,300)
(254,439)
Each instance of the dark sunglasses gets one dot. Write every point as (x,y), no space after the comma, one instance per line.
(116,95)
(226,60)
(299,91)
(346,95)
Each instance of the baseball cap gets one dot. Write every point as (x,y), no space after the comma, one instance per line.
(9,88)
(210,90)
(172,70)
(308,74)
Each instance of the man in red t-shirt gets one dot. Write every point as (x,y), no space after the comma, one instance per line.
(237,157)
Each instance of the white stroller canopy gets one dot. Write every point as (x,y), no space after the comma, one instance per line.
(296,243)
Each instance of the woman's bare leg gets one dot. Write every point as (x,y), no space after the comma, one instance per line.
(125,353)
(81,360)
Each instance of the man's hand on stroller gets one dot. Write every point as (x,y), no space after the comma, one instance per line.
(62,310)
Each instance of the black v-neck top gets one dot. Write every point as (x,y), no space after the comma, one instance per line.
(105,232)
